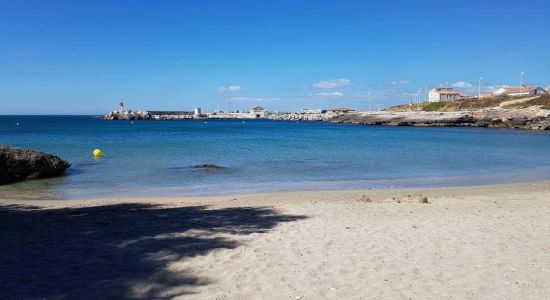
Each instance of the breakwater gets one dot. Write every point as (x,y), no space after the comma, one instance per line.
(149,115)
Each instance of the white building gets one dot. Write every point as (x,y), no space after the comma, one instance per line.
(445,94)
(258,112)
(311,111)
(521,91)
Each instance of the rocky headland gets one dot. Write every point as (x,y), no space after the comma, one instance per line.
(531,118)
(19,164)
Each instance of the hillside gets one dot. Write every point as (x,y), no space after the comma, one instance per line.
(475,104)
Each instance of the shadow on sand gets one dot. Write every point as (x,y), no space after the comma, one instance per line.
(115,251)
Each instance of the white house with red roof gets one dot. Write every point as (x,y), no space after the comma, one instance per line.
(442,94)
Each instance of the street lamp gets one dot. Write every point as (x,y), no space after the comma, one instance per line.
(426,94)
(521,81)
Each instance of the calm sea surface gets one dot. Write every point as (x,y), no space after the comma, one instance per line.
(147,158)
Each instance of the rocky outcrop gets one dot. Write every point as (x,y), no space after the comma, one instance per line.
(20,164)
(532,118)
(129,115)
(302,117)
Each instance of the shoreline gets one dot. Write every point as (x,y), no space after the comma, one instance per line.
(377,194)
(17,192)
(507,114)
(463,242)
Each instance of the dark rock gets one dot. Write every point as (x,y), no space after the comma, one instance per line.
(20,164)
(544,125)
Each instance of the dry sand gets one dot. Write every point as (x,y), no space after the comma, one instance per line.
(466,243)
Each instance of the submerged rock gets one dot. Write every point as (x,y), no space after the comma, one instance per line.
(208,166)
(20,164)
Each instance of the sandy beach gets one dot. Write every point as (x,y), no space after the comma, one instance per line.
(488,242)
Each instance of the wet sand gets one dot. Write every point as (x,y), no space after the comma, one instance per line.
(465,243)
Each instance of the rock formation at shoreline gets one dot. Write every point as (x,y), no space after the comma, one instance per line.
(532,118)
(20,164)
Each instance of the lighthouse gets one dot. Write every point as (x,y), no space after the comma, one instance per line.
(121,106)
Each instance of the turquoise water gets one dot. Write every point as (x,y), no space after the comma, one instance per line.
(147,158)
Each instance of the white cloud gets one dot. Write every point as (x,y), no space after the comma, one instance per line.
(231,88)
(330,84)
(330,94)
(401,82)
(462,84)
(251,99)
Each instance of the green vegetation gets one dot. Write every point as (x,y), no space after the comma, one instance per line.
(434,106)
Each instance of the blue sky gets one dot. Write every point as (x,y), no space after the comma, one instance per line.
(83,57)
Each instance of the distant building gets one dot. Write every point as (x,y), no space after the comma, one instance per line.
(445,94)
(520,91)
(311,111)
(342,110)
(258,112)
(197,111)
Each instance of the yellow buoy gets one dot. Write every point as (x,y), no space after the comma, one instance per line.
(98,153)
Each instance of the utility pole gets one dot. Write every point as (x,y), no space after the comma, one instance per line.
(479,88)
(369,101)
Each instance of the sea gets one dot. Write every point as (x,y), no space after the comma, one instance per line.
(156,158)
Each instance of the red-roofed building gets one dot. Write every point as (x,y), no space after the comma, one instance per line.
(258,112)
(521,91)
